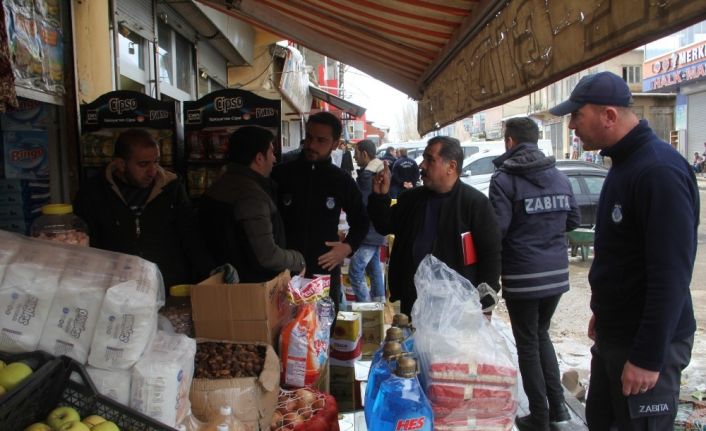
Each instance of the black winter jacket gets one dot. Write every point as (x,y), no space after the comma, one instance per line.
(535,208)
(646,238)
(310,199)
(166,232)
(242,226)
(466,210)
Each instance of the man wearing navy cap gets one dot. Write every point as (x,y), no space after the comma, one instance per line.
(643,319)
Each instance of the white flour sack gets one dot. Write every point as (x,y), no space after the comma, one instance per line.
(72,317)
(126,324)
(114,384)
(146,275)
(162,378)
(26,293)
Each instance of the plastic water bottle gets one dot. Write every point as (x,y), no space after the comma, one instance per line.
(401,403)
(225,421)
(379,373)
(392,334)
(401,320)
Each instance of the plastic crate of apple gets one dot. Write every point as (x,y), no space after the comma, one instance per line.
(12,374)
(305,410)
(67,419)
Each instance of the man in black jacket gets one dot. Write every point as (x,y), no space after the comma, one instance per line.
(312,193)
(137,207)
(445,218)
(238,213)
(346,158)
(646,236)
(535,208)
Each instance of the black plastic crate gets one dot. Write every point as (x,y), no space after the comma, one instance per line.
(61,389)
(22,398)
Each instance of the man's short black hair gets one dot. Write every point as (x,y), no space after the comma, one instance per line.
(131,138)
(368,147)
(327,119)
(246,142)
(522,129)
(450,150)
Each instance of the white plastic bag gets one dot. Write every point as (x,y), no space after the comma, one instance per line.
(469,374)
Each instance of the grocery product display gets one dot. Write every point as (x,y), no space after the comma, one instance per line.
(208,124)
(90,331)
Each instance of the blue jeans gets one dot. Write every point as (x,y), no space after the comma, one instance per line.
(367,260)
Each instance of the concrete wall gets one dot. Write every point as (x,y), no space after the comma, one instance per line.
(94,66)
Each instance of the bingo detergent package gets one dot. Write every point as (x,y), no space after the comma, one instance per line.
(469,374)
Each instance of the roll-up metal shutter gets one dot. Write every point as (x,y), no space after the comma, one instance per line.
(137,15)
(696,126)
(213,62)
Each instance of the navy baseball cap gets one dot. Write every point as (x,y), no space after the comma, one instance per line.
(604,88)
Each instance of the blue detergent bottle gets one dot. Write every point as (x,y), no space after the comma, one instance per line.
(379,373)
(401,403)
(401,320)
(392,334)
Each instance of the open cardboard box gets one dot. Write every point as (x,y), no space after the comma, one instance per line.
(253,399)
(245,312)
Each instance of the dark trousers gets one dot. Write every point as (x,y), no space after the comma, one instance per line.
(530,321)
(655,410)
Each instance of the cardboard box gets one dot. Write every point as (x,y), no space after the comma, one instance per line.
(253,399)
(373,319)
(345,388)
(249,312)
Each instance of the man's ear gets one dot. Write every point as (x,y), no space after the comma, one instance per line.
(453,165)
(611,115)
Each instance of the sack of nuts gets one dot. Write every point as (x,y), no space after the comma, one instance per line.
(244,376)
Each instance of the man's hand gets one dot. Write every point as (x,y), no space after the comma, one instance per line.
(637,380)
(381,182)
(407,184)
(334,257)
(592,328)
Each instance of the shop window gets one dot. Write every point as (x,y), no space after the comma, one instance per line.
(632,74)
(177,75)
(132,49)
(184,65)
(166,68)
(132,85)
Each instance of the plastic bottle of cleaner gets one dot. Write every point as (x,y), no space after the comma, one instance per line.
(226,419)
(392,334)
(401,403)
(378,374)
(401,320)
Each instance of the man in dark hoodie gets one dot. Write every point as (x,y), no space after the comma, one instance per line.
(535,208)
(646,235)
(238,213)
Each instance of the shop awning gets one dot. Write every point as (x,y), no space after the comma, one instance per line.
(332,99)
(457,57)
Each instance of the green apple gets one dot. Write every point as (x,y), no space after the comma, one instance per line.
(2,391)
(73,426)
(39,426)
(13,374)
(106,426)
(93,420)
(61,415)
(2,365)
